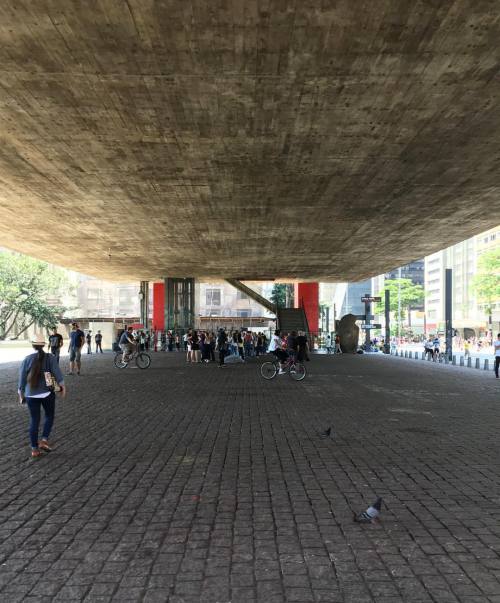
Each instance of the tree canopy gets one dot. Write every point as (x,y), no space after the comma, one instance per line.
(486,282)
(282,295)
(402,289)
(26,286)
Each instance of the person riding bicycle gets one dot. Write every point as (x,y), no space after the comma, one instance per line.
(127,344)
(276,349)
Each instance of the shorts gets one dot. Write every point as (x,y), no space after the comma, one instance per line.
(126,348)
(195,347)
(281,355)
(75,354)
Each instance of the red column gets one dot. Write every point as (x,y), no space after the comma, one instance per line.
(307,297)
(158,306)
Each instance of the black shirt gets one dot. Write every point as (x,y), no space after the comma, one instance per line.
(55,341)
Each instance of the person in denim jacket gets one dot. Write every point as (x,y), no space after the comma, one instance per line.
(33,390)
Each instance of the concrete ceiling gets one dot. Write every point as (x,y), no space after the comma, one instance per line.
(247,139)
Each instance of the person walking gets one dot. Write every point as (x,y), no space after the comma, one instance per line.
(466,348)
(338,349)
(88,339)
(435,348)
(302,347)
(222,346)
(239,340)
(35,388)
(177,342)
(170,341)
(76,340)
(98,342)
(328,344)
(496,348)
(55,343)
(195,347)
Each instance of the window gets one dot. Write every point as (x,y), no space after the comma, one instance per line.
(243,313)
(213,312)
(212,297)
(241,295)
(93,294)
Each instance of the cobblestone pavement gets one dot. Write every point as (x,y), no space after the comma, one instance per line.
(191,483)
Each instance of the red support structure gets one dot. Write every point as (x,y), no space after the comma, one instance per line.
(158,306)
(307,297)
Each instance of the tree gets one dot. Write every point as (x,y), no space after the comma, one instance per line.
(278,295)
(25,286)
(404,294)
(486,283)
(282,295)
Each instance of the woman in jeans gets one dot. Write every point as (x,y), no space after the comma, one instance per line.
(33,390)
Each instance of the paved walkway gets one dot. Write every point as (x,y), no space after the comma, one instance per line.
(191,483)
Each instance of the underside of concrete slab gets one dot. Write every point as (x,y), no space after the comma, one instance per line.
(303,140)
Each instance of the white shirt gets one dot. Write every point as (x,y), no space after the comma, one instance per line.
(275,343)
(496,345)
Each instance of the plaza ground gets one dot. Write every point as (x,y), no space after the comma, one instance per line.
(193,483)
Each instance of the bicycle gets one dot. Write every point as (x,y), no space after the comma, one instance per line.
(295,369)
(142,360)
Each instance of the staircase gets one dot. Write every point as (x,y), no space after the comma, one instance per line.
(252,294)
(292,319)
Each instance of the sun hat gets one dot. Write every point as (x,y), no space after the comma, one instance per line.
(38,339)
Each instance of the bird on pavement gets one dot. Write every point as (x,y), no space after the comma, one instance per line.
(370,514)
(327,433)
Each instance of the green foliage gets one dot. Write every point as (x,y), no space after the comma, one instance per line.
(486,283)
(278,295)
(25,286)
(402,289)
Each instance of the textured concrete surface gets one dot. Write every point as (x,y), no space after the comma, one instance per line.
(352,136)
(191,483)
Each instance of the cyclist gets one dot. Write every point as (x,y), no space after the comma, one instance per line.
(276,349)
(127,344)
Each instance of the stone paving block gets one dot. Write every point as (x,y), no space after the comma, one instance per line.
(228,493)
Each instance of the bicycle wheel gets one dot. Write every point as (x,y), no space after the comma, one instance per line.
(119,361)
(143,360)
(268,370)
(297,371)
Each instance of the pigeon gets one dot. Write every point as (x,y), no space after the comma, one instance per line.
(370,514)
(327,433)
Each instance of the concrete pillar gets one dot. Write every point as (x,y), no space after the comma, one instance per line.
(469,362)
(454,359)
(478,363)
(158,307)
(179,304)
(461,360)
(307,297)
(486,364)
(144,304)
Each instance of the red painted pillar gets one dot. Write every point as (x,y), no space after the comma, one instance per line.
(307,297)
(158,306)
